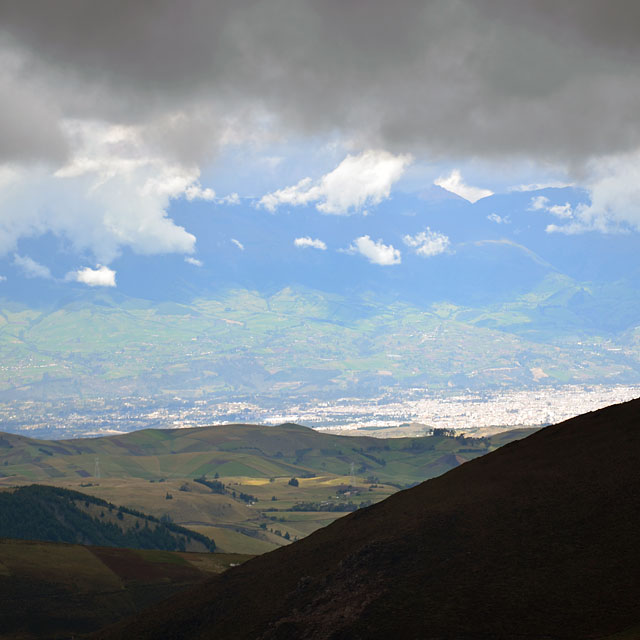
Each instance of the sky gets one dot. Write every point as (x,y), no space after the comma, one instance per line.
(113,111)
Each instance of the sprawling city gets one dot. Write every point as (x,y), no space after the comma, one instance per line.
(394,414)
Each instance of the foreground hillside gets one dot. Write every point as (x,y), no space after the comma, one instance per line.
(233,483)
(53,590)
(538,539)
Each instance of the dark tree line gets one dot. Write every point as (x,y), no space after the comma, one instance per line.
(52,514)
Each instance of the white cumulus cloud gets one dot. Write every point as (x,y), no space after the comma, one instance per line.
(194,261)
(100,277)
(299,194)
(313,243)
(428,243)
(358,181)
(376,251)
(454,183)
(31,268)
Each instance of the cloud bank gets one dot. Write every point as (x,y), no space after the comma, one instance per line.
(553,80)
(111,110)
(614,193)
(109,196)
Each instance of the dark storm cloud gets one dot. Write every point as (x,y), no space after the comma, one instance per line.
(29,129)
(492,78)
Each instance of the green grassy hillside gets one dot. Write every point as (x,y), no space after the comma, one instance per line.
(237,450)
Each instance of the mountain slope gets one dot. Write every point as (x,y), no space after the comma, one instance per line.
(535,540)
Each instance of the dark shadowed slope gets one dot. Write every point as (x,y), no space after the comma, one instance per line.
(55,591)
(539,539)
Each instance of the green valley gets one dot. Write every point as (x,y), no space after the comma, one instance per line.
(304,342)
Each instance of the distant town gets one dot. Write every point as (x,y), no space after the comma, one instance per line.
(394,413)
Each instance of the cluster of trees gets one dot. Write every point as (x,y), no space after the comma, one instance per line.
(218,487)
(215,485)
(284,535)
(245,497)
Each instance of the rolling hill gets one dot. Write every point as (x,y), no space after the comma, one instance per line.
(238,450)
(538,539)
